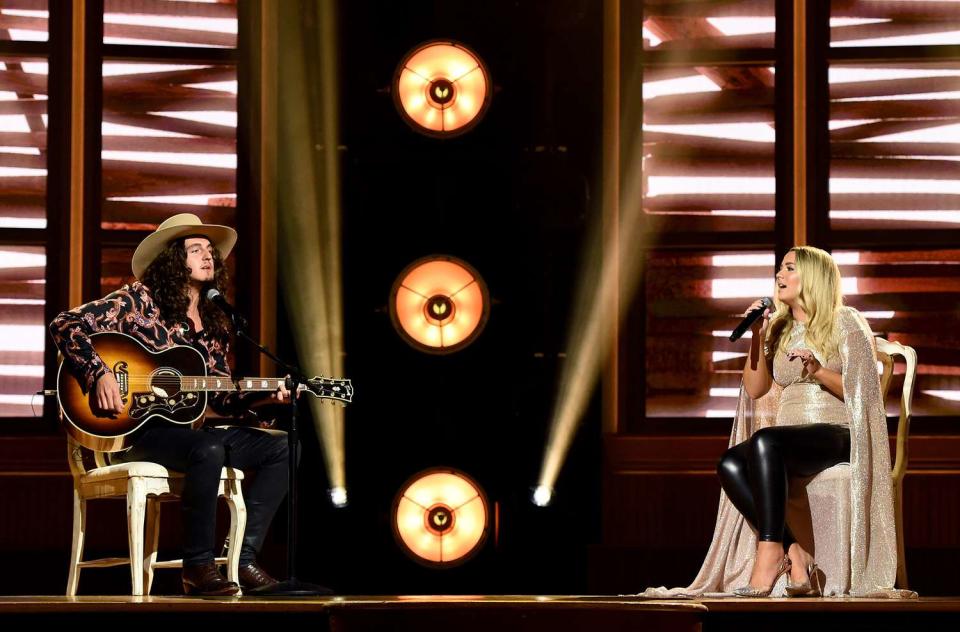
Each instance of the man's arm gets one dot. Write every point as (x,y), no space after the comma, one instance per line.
(71,332)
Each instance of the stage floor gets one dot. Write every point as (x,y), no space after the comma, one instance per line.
(556,613)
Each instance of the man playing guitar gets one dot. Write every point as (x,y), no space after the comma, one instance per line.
(165,307)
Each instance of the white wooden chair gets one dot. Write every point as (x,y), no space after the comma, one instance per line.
(830,490)
(145,486)
(885,352)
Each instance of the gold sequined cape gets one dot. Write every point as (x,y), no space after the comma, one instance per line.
(873,553)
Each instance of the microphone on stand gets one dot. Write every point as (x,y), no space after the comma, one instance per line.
(750,318)
(215,297)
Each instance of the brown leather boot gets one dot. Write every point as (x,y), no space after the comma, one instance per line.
(206,580)
(252,577)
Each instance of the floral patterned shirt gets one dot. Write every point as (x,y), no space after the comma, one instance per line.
(131,310)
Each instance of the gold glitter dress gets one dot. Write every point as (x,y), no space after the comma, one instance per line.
(795,399)
(802,399)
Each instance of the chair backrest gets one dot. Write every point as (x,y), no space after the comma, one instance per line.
(886,350)
(75,456)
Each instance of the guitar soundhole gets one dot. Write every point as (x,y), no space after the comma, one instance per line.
(165,383)
(164,396)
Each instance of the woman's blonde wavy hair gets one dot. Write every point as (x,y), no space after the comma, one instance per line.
(820,296)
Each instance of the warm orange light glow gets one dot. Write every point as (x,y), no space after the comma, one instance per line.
(439,304)
(440,517)
(442,88)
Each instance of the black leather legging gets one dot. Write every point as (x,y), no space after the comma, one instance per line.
(754,474)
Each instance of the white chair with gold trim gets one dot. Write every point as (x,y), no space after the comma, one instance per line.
(145,486)
(885,352)
(829,491)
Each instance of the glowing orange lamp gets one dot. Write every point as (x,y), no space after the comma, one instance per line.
(440,517)
(442,88)
(439,304)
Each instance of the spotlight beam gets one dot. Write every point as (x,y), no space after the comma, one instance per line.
(589,342)
(606,288)
(308,195)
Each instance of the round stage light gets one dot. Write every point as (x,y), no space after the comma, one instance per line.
(439,304)
(440,517)
(442,88)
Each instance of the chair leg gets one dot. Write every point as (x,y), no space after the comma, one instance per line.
(136,505)
(150,542)
(76,549)
(901,548)
(238,523)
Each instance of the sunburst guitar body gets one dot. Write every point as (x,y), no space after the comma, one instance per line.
(169,385)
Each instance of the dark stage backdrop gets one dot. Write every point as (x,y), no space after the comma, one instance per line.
(514,197)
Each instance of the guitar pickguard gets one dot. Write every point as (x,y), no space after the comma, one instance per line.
(164,397)
(149,403)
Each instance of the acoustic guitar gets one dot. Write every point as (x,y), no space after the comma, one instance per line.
(169,385)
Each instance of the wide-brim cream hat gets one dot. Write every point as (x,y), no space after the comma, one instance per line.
(181,225)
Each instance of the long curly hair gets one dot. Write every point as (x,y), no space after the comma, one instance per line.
(168,278)
(821,297)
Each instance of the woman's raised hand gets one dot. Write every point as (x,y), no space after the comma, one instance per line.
(810,362)
(759,326)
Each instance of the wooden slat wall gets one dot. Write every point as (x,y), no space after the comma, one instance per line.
(660,490)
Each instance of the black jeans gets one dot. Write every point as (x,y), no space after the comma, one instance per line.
(200,455)
(754,474)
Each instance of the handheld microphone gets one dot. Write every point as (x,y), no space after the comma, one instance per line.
(750,318)
(215,297)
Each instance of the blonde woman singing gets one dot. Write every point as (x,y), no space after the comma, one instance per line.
(810,399)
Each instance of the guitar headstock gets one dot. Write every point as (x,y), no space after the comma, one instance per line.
(330,388)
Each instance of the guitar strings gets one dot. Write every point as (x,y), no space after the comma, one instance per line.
(184,384)
(174,378)
(243,379)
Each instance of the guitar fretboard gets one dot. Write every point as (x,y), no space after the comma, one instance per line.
(213,383)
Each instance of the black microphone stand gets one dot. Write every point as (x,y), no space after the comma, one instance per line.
(290,587)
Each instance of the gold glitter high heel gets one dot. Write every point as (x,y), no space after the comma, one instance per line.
(809,588)
(750,591)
